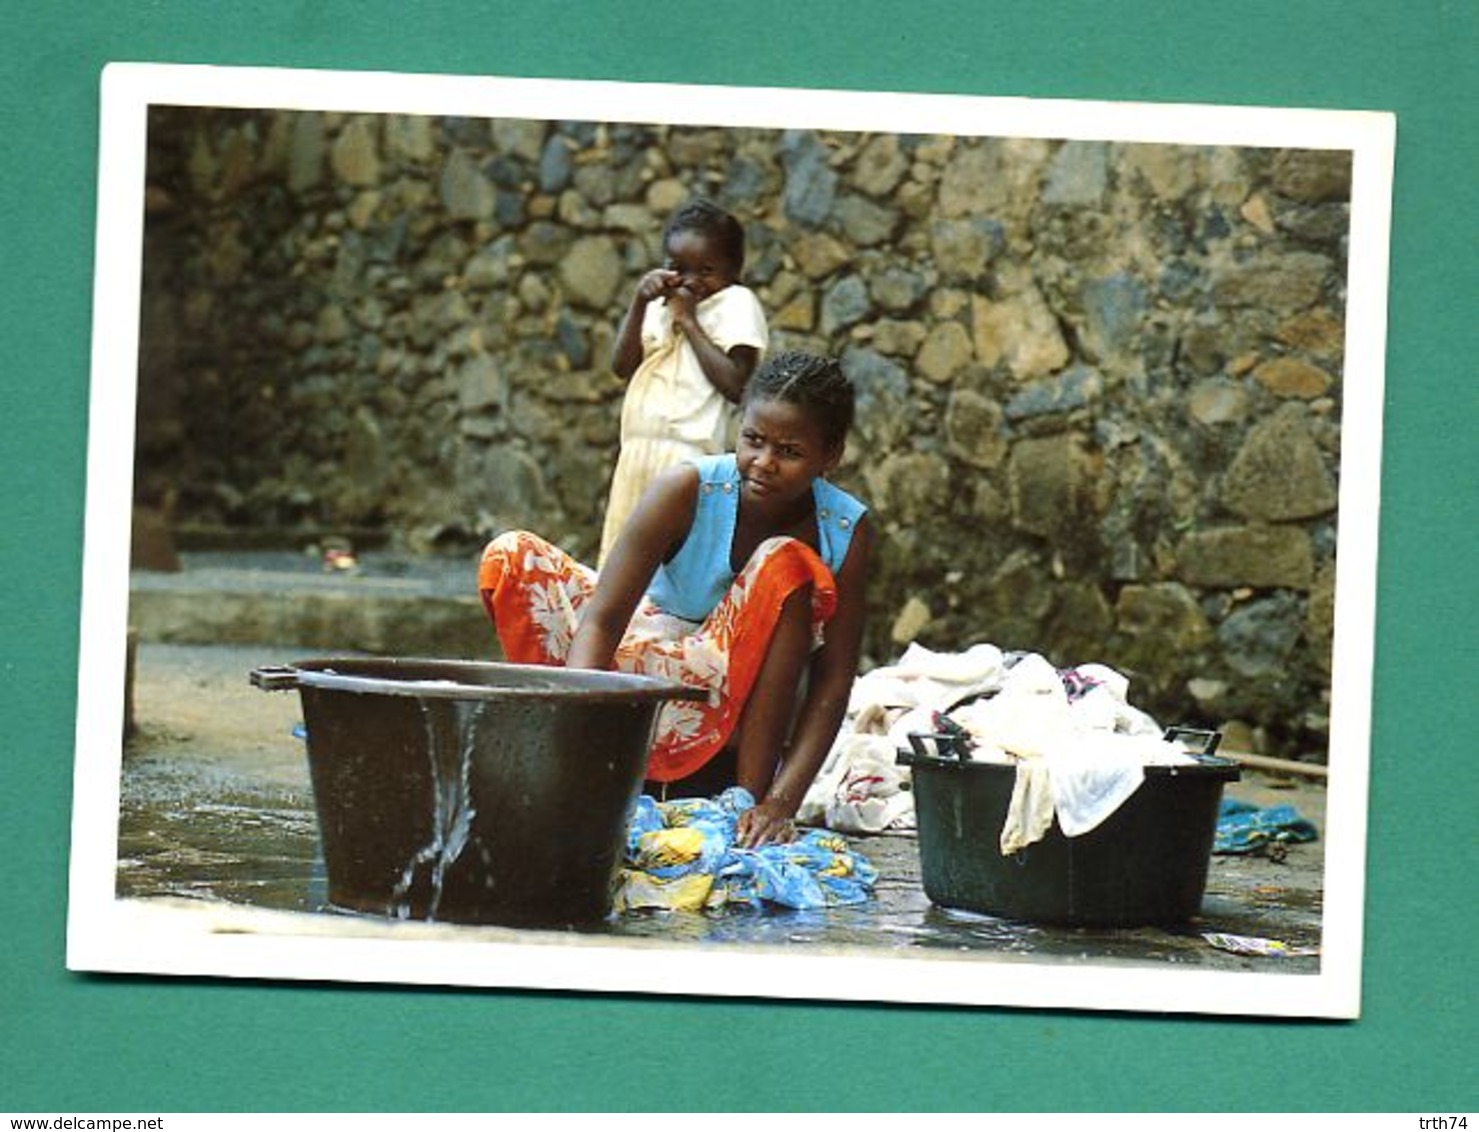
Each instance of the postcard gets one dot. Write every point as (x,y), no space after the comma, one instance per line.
(1057,410)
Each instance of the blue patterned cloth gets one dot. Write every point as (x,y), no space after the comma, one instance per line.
(1243,827)
(681,855)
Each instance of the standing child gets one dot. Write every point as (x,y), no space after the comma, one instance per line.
(688,344)
(742,574)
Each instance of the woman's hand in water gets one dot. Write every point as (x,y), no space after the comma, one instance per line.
(767,823)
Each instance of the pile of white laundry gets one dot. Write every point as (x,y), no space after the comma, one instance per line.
(1080,749)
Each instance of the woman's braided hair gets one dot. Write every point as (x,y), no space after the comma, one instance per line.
(814,383)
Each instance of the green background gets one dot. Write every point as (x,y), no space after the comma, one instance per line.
(78,1043)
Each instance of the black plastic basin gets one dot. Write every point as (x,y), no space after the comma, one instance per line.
(471,792)
(1145,864)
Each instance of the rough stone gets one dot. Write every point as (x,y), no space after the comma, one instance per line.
(1290,377)
(818,255)
(1318,332)
(306,152)
(946,350)
(882,391)
(865,222)
(880,166)
(970,185)
(504,482)
(1170,171)
(898,339)
(1016,603)
(1113,309)
(576,387)
(238,159)
(1278,473)
(486,269)
(664,196)
(963,249)
(592,272)
(1019,331)
(1257,638)
(1256,212)
(1314,223)
(1080,622)
(1078,174)
(363,208)
(577,212)
(1162,617)
(544,243)
(1218,401)
(628,218)
(798,314)
(1319,620)
(1203,348)
(534,292)
(520,137)
(409,137)
(1258,556)
(811,184)
(1287,282)
(1311,175)
(596,183)
(909,487)
(974,429)
(1062,393)
(696,147)
(844,304)
(333,324)
(366,463)
(480,385)
(466,193)
(1052,485)
(911,620)
(355,157)
(556,164)
(897,289)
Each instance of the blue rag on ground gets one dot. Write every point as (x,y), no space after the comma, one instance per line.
(681,855)
(1243,827)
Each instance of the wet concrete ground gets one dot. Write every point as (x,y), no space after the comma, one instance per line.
(217,807)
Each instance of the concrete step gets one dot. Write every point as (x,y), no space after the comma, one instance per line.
(388,606)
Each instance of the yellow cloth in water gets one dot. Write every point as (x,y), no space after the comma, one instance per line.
(662,848)
(680,894)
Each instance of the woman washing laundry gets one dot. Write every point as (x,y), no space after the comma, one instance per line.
(742,573)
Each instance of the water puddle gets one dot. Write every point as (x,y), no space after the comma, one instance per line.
(191,828)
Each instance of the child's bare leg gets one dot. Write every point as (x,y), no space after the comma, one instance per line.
(771,705)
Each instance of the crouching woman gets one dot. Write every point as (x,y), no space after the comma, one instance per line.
(743,574)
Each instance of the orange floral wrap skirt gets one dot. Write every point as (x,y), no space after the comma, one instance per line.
(533,592)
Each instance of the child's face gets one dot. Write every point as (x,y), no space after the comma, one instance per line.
(700,263)
(779,452)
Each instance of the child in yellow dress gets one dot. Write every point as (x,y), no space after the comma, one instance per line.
(688,344)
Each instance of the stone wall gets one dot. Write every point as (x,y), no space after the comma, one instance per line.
(1099,382)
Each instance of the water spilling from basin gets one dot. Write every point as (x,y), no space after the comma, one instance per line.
(450,730)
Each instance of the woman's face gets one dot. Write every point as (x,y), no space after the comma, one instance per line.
(700,262)
(779,452)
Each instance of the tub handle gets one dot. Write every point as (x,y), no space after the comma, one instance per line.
(944,741)
(275,677)
(1209,740)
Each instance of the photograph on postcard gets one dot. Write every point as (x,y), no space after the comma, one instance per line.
(780,543)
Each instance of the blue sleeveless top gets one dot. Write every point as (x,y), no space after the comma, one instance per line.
(697,578)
